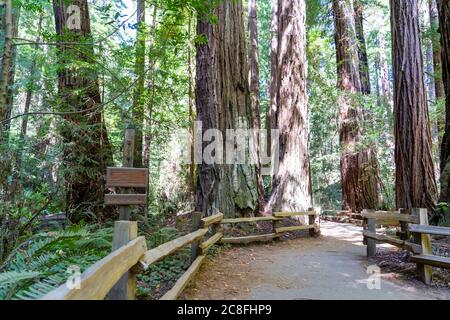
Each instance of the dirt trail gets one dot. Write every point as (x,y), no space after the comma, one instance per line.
(332,266)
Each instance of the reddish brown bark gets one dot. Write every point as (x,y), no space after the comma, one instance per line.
(444,22)
(415,181)
(291,185)
(358,166)
(223,102)
(86,148)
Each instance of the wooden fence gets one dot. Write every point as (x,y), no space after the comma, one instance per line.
(114,277)
(414,237)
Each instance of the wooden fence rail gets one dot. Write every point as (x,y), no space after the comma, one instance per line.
(106,278)
(416,233)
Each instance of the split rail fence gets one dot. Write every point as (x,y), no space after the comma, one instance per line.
(415,236)
(114,277)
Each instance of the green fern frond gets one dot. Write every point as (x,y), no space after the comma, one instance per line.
(13,277)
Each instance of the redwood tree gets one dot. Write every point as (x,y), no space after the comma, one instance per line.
(86,149)
(223,102)
(415,181)
(254,90)
(444,21)
(291,185)
(358,165)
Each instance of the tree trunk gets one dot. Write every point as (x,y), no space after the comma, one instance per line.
(151,91)
(358,170)
(223,103)
(444,22)
(17,181)
(384,81)
(291,186)
(86,148)
(415,181)
(5,67)
(139,69)
(273,72)
(254,91)
(437,54)
(362,48)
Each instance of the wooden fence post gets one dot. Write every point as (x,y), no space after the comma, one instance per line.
(426,272)
(276,224)
(404,234)
(314,220)
(125,288)
(371,243)
(195,246)
(128,152)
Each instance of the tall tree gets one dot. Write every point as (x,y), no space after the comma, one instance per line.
(86,148)
(358,169)
(271,119)
(223,103)
(415,183)
(436,47)
(291,186)
(6,66)
(444,21)
(362,47)
(139,69)
(254,90)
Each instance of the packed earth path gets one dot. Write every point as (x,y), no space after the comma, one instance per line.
(332,266)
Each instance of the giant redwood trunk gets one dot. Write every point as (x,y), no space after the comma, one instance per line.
(223,103)
(291,185)
(415,183)
(358,165)
(86,149)
(444,21)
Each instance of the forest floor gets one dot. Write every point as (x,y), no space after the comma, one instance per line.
(332,266)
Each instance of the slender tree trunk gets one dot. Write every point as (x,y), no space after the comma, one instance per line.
(223,102)
(271,114)
(437,54)
(139,69)
(362,48)
(415,181)
(254,90)
(191,102)
(384,81)
(17,181)
(151,91)
(5,67)
(358,172)
(291,187)
(444,22)
(86,148)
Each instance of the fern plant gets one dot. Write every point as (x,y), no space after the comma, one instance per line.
(40,264)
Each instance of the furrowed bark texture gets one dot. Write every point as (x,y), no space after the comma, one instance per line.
(444,26)
(223,102)
(291,185)
(358,165)
(254,91)
(415,181)
(86,148)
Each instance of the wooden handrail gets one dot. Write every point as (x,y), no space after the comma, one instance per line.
(166,249)
(250,220)
(438,231)
(207,221)
(295,214)
(98,279)
(390,216)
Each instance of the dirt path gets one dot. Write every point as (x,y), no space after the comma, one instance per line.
(330,267)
